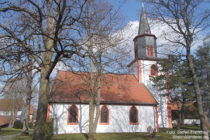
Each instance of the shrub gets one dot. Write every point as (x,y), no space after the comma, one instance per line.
(18,124)
(31,125)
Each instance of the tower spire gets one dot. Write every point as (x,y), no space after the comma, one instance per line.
(143,24)
(142,5)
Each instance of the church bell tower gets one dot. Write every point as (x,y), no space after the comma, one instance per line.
(144,66)
(145,50)
(145,42)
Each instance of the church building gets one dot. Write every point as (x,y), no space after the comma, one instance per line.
(129,102)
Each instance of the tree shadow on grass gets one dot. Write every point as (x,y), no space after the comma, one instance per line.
(86,135)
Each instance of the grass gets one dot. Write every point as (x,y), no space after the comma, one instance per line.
(165,134)
(119,136)
(110,136)
(9,131)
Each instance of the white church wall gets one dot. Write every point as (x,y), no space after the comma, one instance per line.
(4,113)
(163,112)
(118,119)
(8,113)
(146,72)
(162,100)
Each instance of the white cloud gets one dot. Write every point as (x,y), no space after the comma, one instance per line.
(128,33)
(59,66)
(163,32)
(131,30)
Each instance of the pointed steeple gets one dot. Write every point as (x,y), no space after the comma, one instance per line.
(143,24)
(145,42)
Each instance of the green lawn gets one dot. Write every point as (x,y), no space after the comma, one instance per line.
(8,131)
(120,136)
(165,134)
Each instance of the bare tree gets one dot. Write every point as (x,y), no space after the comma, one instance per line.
(184,19)
(101,26)
(13,95)
(29,91)
(29,76)
(47,31)
(22,74)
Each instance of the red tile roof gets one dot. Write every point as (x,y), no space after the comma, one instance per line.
(72,87)
(5,104)
(4,120)
(191,105)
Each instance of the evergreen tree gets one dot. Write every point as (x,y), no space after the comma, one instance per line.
(203,71)
(176,78)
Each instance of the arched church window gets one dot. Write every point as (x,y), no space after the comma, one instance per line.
(133,115)
(73,115)
(154,70)
(149,50)
(104,115)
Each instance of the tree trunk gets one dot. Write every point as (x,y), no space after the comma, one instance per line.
(25,129)
(206,118)
(91,101)
(182,118)
(13,118)
(97,102)
(12,121)
(11,124)
(41,125)
(91,120)
(182,113)
(179,116)
(198,97)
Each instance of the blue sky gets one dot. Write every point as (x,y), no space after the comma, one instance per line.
(129,8)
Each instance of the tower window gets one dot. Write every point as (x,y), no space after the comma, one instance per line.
(73,115)
(136,52)
(154,70)
(146,32)
(104,115)
(149,50)
(133,115)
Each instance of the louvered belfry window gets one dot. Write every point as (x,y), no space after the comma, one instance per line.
(149,50)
